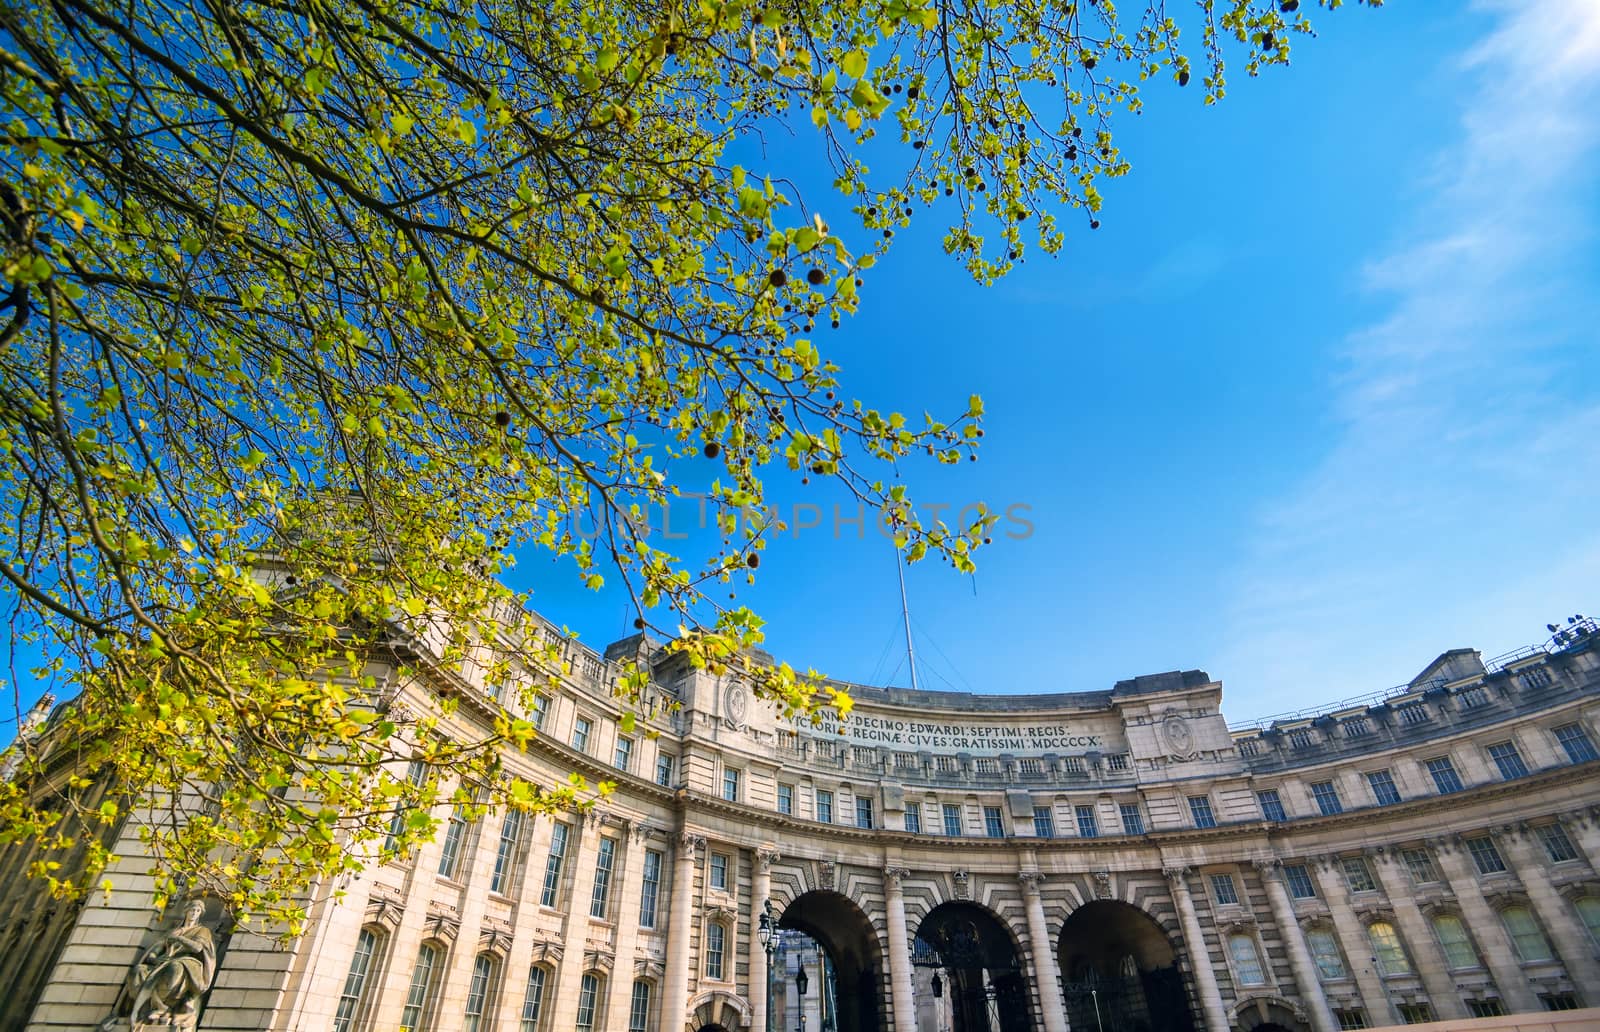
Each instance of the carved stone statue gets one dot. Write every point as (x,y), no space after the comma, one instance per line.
(164,987)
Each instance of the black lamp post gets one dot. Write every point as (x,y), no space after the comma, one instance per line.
(765,930)
(800,983)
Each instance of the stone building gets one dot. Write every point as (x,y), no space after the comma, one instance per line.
(942,862)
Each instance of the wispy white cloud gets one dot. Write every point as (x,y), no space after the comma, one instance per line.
(1460,502)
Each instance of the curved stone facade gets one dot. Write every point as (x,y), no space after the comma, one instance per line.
(970,862)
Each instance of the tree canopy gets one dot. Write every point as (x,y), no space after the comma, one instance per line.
(317,315)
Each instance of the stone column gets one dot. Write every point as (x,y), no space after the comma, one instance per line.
(1485,924)
(1357,947)
(526,886)
(1044,958)
(1216,1018)
(575,926)
(760,978)
(1306,979)
(1432,967)
(900,996)
(675,990)
(1560,923)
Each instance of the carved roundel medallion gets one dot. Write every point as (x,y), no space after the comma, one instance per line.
(736,704)
(1177,735)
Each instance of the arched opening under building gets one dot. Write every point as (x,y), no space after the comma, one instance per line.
(1268,1015)
(977,980)
(1119,971)
(828,946)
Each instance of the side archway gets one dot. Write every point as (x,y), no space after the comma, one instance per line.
(846,935)
(1116,958)
(979,967)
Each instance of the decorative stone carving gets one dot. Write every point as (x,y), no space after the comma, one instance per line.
(163,988)
(547,951)
(892,876)
(384,909)
(1029,880)
(443,922)
(736,705)
(962,891)
(766,857)
(689,842)
(1177,736)
(495,937)
(1177,877)
(827,872)
(1102,884)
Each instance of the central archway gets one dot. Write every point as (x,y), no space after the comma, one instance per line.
(1116,958)
(848,984)
(982,972)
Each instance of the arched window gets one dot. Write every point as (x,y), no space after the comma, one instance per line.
(353,999)
(1246,961)
(480,992)
(716,948)
(415,1015)
(639,1007)
(1325,952)
(588,1002)
(1589,912)
(1454,940)
(533,999)
(1526,936)
(1387,950)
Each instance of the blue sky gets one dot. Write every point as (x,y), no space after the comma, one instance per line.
(1319,401)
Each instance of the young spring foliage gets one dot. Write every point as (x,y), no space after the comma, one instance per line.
(317,314)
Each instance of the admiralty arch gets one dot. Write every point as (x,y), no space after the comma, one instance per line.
(1118,860)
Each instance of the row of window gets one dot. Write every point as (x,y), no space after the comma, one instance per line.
(421,1003)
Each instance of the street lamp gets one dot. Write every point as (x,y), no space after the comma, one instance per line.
(800,983)
(764,930)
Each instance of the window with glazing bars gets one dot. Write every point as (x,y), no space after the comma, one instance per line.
(605,858)
(1508,760)
(650,889)
(1576,742)
(533,1000)
(825,806)
(479,993)
(1419,862)
(1485,857)
(1358,875)
(1132,819)
(552,866)
(1271,805)
(1300,884)
(993,823)
(416,1008)
(1088,824)
(952,820)
(914,818)
(863,812)
(1445,778)
(1557,846)
(1326,795)
(785,798)
(639,1007)
(588,1002)
(1222,890)
(355,982)
(1383,787)
(505,854)
(1200,811)
(455,831)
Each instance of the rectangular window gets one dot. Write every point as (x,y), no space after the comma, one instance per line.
(1325,954)
(1453,939)
(1472,698)
(730,784)
(416,1008)
(650,890)
(993,823)
(1485,857)
(1557,846)
(1526,936)
(1300,738)
(581,729)
(505,854)
(1300,884)
(719,871)
(479,993)
(416,774)
(1327,798)
(786,799)
(716,945)
(914,818)
(552,866)
(623,760)
(1509,760)
(1577,743)
(1246,961)
(1358,875)
(1200,810)
(541,708)
(455,831)
(952,820)
(1415,1013)
(355,982)
(1132,819)
(664,765)
(1271,805)
(824,806)
(639,1009)
(1387,949)
(1383,787)
(533,1000)
(1419,862)
(863,812)
(1088,825)
(1117,762)
(1559,1001)
(1222,890)
(605,859)
(1485,1009)
(1444,774)
(1356,727)
(1350,1018)
(588,1002)
(1412,713)
(1044,822)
